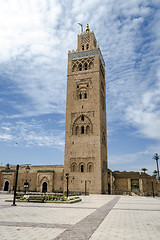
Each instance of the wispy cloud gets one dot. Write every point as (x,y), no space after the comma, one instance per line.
(134,161)
(34,40)
(31,133)
(145,114)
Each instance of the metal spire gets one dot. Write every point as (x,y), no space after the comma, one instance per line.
(81,27)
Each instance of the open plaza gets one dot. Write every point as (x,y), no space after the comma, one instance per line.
(104,204)
(96,217)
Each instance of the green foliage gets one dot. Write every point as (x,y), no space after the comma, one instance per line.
(135,185)
(144,169)
(52,198)
(155,173)
(63,198)
(24,198)
(156,157)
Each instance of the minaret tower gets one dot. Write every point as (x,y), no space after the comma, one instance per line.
(85,136)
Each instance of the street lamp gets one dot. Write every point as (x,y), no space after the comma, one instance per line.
(67,177)
(15,186)
(26,184)
(156,158)
(85,187)
(85,193)
(152,188)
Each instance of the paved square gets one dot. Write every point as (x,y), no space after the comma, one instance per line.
(96,217)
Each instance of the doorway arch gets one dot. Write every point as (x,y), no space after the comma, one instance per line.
(6,186)
(44,187)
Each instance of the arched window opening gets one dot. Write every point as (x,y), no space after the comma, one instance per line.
(77,86)
(82,47)
(80,96)
(87,46)
(76,130)
(87,129)
(85,66)
(85,95)
(82,130)
(82,117)
(44,187)
(91,65)
(74,68)
(82,168)
(80,67)
(6,186)
(73,168)
(90,168)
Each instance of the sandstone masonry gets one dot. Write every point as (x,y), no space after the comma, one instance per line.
(85,163)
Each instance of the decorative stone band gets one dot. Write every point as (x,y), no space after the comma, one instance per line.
(85,35)
(45,171)
(86,54)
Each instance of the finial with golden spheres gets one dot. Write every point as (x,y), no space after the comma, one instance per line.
(87,28)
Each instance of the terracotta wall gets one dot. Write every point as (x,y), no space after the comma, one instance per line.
(135,182)
(35,177)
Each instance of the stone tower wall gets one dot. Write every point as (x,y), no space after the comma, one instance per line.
(85,142)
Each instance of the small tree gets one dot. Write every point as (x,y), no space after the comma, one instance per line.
(144,169)
(155,173)
(7,166)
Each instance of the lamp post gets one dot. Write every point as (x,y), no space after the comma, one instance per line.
(152,189)
(15,186)
(156,158)
(26,184)
(67,177)
(85,182)
(85,187)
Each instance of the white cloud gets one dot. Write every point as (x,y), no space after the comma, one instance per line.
(6,137)
(31,134)
(145,115)
(35,37)
(31,54)
(134,161)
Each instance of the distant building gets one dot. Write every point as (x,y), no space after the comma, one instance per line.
(85,161)
(134,183)
(44,178)
(51,178)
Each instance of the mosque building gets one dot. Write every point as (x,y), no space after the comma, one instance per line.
(85,164)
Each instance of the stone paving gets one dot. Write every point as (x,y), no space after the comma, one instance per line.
(97,217)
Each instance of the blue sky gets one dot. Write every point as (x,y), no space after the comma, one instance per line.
(35,37)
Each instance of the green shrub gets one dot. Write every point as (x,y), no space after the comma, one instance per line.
(24,198)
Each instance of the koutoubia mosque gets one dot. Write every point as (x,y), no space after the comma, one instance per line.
(85,164)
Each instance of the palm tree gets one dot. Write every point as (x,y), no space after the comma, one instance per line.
(144,169)
(155,173)
(156,158)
